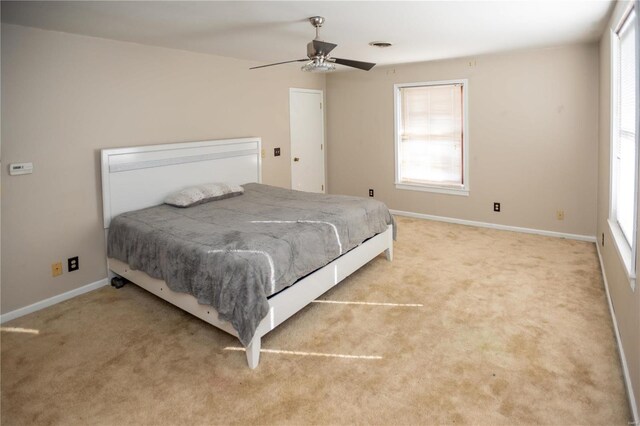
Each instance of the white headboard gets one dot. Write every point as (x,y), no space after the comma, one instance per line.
(142,176)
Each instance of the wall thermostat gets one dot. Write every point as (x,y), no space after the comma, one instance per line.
(20,168)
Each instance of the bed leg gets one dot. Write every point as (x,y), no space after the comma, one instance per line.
(253,352)
(389,253)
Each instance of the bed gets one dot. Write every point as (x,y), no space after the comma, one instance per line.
(243,264)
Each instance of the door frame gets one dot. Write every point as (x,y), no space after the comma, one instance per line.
(324,142)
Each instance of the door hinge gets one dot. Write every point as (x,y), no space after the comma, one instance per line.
(320,105)
(323,187)
(321,147)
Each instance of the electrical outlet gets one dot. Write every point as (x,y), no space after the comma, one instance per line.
(73,264)
(371,193)
(496,207)
(276,152)
(56,269)
(560,215)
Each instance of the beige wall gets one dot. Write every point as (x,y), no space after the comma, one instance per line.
(626,302)
(64,97)
(532,131)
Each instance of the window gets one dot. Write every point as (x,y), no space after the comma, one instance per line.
(431,137)
(624,141)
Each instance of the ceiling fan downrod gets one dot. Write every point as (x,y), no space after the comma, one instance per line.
(317,22)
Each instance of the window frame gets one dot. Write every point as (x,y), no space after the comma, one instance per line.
(627,251)
(442,189)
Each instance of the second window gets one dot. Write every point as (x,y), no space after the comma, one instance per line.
(431,137)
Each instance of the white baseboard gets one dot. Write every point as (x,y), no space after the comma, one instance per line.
(623,358)
(52,300)
(589,238)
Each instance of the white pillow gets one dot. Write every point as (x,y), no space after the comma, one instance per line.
(203,193)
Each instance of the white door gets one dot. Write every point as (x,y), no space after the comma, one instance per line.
(307,139)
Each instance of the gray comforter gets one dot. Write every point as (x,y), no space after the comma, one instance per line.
(234,253)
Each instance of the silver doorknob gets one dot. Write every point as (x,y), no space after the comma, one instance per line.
(296,159)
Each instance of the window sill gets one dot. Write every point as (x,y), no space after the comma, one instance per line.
(624,251)
(433,188)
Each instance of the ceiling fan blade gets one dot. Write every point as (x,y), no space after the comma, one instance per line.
(280,63)
(322,47)
(366,66)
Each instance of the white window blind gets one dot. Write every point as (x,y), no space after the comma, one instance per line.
(431,139)
(625,128)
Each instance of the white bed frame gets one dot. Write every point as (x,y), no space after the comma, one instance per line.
(138,177)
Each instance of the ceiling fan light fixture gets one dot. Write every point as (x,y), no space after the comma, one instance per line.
(314,66)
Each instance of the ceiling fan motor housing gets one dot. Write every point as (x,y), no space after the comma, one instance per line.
(312,52)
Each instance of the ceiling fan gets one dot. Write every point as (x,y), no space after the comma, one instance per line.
(318,59)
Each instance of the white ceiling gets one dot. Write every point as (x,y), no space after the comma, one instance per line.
(266,31)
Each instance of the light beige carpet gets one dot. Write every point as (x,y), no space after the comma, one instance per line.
(513,329)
